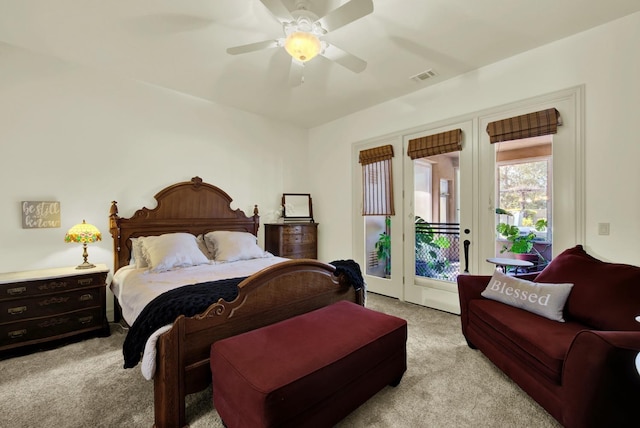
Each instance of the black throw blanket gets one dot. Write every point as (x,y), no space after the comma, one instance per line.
(191,300)
(351,270)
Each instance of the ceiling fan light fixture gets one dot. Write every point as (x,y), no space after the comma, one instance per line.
(302,45)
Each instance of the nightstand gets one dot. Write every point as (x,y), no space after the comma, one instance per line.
(292,240)
(47,305)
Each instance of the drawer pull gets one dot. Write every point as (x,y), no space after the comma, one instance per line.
(86,297)
(85,281)
(16,290)
(53,301)
(17,333)
(85,320)
(53,322)
(17,310)
(53,285)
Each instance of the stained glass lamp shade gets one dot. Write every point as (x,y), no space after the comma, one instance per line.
(83,233)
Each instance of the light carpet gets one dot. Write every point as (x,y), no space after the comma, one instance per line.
(447,384)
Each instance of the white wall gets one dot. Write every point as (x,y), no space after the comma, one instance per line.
(604,59)
(83,138)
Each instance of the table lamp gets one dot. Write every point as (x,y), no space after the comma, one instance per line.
(83,233)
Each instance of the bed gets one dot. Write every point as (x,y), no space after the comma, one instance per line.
(272,294)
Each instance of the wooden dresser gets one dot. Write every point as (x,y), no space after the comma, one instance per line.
(43,305)
(292,240)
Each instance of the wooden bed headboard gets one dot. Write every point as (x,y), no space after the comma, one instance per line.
(191,206)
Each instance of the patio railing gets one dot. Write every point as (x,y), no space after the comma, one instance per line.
(437,250)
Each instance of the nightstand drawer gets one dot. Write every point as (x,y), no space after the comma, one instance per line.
(45,305)
(60,325)
(53,285)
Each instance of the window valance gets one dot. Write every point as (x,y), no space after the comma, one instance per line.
(376,154)
(444,142)
(529,125)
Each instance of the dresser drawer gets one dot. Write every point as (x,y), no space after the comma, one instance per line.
(292,229)
(301,238)
(53,285)
(299,248)
(303,255)
(45,305)
(61,325)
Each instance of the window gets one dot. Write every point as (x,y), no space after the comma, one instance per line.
(377,181)
(377,207)
(523,187)
(523,159)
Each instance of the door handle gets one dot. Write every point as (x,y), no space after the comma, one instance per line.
(466,244)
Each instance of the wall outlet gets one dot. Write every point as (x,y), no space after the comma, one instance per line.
(603,228)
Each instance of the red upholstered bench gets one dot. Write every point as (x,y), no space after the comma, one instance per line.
(310,370)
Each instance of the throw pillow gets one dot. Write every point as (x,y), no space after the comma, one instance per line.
(231,246)
(605,295)
(203,246)
(137,257)
(171,250)
(546,300)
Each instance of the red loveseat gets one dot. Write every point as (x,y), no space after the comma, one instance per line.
(582,371)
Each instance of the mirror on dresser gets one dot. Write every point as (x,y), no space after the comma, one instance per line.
(297,207)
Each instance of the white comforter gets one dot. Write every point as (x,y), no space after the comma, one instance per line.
(135,288)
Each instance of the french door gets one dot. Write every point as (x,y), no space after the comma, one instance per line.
(439,213)
(445,205)
(378,239)
(438,190)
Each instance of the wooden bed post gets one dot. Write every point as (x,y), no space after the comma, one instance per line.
(115,233)
(168,381)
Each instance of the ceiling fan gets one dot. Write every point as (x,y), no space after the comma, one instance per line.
(303,30)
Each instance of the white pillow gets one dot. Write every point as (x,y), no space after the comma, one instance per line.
(203,246)
(232,246)
(171,250)
(540,298)
(137,257)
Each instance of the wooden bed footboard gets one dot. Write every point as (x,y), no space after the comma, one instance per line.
(276,293)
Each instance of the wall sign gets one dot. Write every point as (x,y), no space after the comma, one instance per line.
(40,214)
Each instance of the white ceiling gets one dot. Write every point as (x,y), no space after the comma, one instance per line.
(181,45)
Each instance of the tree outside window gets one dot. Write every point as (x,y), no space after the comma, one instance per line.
(524,193)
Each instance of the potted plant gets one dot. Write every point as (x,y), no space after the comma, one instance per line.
(520,244)
(383,247)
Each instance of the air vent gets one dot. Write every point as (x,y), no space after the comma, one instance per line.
(424,75)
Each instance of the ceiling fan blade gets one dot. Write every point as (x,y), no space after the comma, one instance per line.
(345,59)
(252,47)
(296,76)
(278,9)
(348,12)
